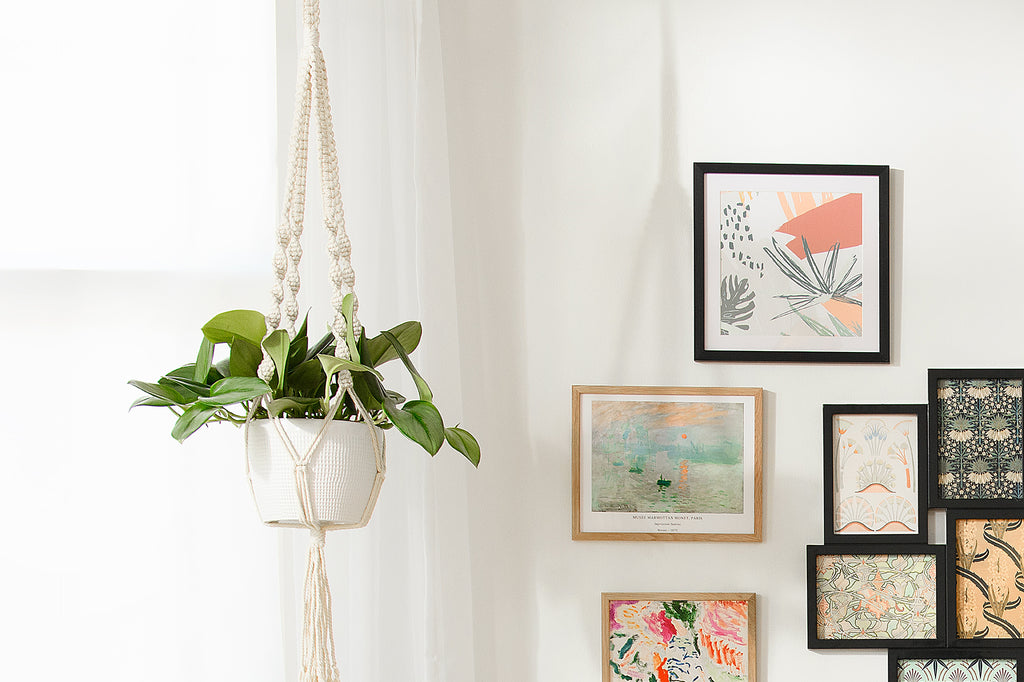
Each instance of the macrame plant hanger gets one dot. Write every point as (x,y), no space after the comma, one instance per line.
(319,663)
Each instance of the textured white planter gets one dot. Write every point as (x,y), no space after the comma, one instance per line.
(344,474)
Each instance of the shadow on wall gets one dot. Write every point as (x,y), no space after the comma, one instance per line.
(659,280)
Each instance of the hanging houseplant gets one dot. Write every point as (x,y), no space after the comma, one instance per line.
(314,414)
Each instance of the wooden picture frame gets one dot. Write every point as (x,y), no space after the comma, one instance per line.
(975,438)
(712,632)
(955,663)
(986,587)
(666,463)
(875,473)
(791,262)
(872,596)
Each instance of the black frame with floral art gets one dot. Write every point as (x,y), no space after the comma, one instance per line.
(875,478)
(872,585)
(985,587)
(791,262)
(968,660)
(976,425)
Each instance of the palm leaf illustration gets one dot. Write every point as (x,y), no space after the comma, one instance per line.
(737,302)
(819,283)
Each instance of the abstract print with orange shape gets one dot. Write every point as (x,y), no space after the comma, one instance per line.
(791,263)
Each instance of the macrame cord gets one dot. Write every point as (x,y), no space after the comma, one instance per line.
(319,663)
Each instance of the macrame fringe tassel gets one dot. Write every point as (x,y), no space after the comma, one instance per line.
(318,660)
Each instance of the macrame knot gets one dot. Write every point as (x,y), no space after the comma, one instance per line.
(318,536)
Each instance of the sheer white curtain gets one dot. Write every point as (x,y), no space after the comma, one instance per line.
(401,586)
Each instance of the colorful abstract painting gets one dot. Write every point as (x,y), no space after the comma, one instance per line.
(989,582)
(875,464)
(876,596)
(957,670)
(679,639)
(792,263)
(667,457)
(979,439)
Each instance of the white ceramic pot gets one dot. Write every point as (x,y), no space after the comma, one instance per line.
(344,474)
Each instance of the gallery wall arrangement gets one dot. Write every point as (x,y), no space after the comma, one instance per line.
(946,612)
(792,265)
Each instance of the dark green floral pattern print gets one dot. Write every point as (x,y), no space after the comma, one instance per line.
(980,439)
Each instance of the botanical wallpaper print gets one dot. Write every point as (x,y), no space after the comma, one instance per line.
(989,583)
(678,641)
(875,482)
(876,596)
(957,670)
(667,457)
(791,263)
(979,433)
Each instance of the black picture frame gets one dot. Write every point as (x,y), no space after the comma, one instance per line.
(871,601)
(889,451)
(952,654)
(869,342)
(978,584)
(942,471)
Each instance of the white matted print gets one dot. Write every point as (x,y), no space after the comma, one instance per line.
(666,463)
(874,467)
(793,263)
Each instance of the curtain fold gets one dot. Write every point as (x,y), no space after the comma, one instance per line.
(401,586)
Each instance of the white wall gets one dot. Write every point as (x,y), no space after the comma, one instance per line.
(574,125)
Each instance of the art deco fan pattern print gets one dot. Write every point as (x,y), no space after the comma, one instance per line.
(957,670)
(979,439)
(876,596)
(989,582)
(875,474)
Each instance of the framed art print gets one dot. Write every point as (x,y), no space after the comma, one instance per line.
(955,665)
(663,463)
(986,584)
(791,262)
(876,596)
(875,473)
(975,438)
(646,636)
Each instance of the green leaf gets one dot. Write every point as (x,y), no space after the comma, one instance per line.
(421,384)
(232,390)
(150,401)
(299,343)
(464,442)
(192,419)
(245,358)
(236,324)
(333,365)
(325,346)
(419,421)
(306,379)
(276,346)
(188,388)
(204,360)
(348,305)
(223,368)
(365,385)
(379,350)
(303,405)
(163,392)
(183,372)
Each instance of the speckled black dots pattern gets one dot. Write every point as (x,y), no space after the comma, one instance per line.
(737,239)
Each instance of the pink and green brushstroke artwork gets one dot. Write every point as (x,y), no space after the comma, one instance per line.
(678,640)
